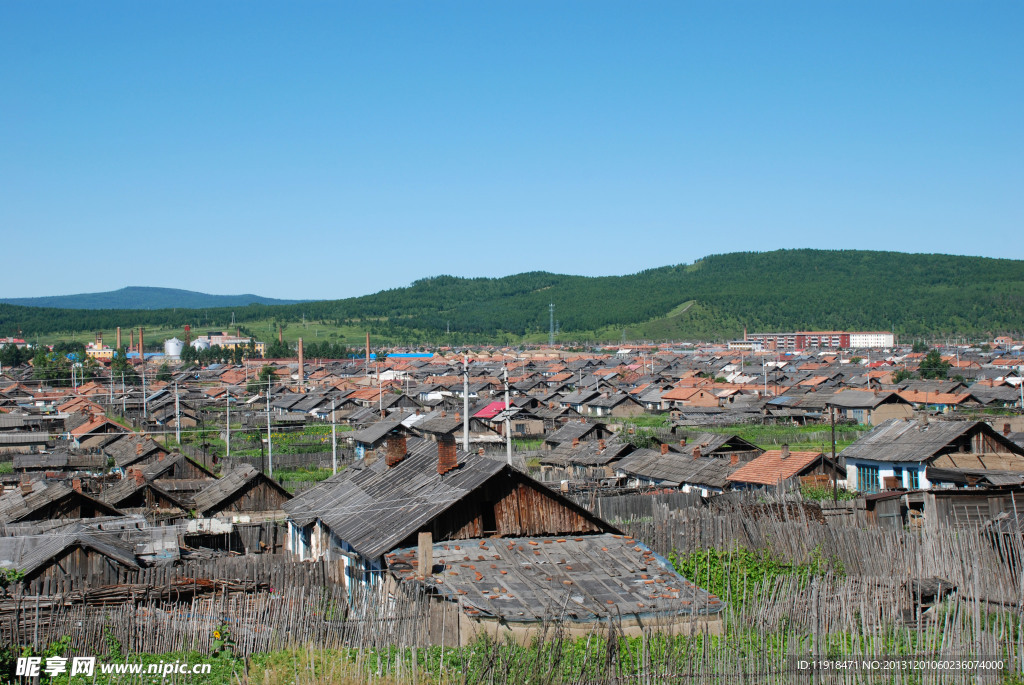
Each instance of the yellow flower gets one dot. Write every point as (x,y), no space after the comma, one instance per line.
(216,635)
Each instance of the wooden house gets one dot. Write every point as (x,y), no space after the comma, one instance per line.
(81,556)
(431,515)
(243,490)
(871,408)
(776,467)
(45,500)
(900,453)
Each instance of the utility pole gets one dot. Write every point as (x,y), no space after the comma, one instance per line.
(177,416)
(270,445)
(551,329)
(124,399)
(334,443)
(145,405)
(835,465)
(465,402)
(508,422)
(227,422)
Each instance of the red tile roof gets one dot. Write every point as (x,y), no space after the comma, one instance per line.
(770,468)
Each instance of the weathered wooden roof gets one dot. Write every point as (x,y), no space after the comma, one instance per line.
(23,438)
(16,505)
(573,430)
(589,453)
(677,469)
(710,443)
(579,578)
(117,493)
(376,431)
(908,440)
(59,460)
(208,499)
(857,399)
(31,553)
(132,448)
(373,507)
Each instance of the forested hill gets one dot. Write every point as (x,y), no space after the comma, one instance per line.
(713,298)
(135,297)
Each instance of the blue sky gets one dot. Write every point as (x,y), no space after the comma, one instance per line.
(329,149)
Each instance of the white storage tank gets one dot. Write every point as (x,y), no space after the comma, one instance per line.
(173,347)
(201,344)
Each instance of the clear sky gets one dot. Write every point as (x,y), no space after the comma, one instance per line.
(329,149)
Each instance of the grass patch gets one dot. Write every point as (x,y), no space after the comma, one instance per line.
(738,575)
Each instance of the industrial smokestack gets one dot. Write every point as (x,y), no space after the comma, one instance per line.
(142,347)
(118,337)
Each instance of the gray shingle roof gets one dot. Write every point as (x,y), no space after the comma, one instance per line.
(677,469)
(907,440)
(15,505)
(207,499)
(579,578)
(373,508)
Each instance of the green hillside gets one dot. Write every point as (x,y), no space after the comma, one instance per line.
(136,297)
(713,298)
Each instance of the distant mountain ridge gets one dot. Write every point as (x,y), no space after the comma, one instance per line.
(141,297)
(713,298)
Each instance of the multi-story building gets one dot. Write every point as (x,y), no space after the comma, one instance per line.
(833,340)
(227,341)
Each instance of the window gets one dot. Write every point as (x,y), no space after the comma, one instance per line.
(867,478)
(897,473)
(915,479)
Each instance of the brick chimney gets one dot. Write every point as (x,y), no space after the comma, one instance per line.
(480,451)
(142,347)
(396,450)
(139,477)
(664,448)
(138,449)
(601,444)
(575,442)
(682,442)
(734,459)
(26,488)
(447,458)
(119,337)
(696,452)
(785,451)
(76,484)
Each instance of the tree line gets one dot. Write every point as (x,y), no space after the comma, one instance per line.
(913,294)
